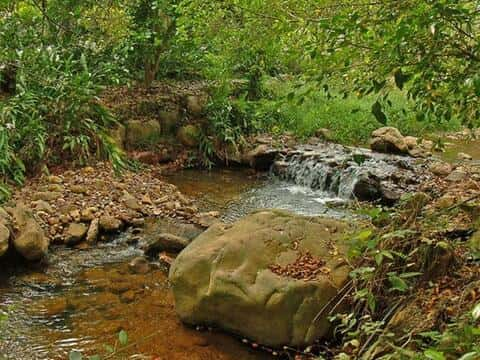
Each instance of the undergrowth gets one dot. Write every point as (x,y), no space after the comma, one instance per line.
(399,263)
(287,105)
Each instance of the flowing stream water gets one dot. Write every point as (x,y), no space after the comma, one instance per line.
(84,297)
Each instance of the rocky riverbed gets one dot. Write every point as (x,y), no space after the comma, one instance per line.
(86,231)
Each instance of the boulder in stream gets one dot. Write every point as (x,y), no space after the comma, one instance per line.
(265,277)
(388,140)
(261,158)
(30,241)
(165,242)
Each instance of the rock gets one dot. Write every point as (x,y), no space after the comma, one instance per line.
(93,231)
(411,142)
(427,144)
(169,120)
(142,133)
(440,168)
(118,135)
(367,188)
(235,277)
(88,214)
(109,223)
(464,156)
(445,202)
(41,205)
(138,222)
(88,170)
(418,152)
(128,296)
(4,239)
(165,242)
(389,196)
(457,175)
(130,201)
(4,216)
(47,195)
(388,140)
(206,220)
(261,158)
(65,219)
(139,265)
(147,157)
(165,260)
(54,179)
(79,189)
(55,188)
(75,215)
(75,233)
(324,134)
(188,135)
(195,104)
(30,241)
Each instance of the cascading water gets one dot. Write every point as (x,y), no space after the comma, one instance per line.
(350,172)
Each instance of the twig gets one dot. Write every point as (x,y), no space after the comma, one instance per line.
(325,307)
(370,338)
(461,203)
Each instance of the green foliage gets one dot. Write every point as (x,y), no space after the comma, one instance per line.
(152,29)
(54,113)
(428,48)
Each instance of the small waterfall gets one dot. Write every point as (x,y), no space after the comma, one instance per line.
(350,173)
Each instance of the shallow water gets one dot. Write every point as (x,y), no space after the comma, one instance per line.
(236,193)
(471,147)
(84,297)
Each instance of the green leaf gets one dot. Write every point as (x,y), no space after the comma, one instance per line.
(75,355)
(434,355)
(109,349)
(364,236)
(397,283)
(372,303)
(476,312)
(123,337)
(470,356)
(95,357)
(377,111)
(400,79)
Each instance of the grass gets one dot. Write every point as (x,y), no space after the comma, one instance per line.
(349,119)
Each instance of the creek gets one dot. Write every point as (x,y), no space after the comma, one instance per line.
(85,296)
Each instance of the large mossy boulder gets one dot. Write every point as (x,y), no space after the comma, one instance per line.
(189,135)
(140,134)
(266,277)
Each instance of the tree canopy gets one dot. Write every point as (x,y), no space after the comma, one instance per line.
(65,52)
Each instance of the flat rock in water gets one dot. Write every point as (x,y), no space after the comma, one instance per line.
(265,277)
(75,233)
(165,242)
